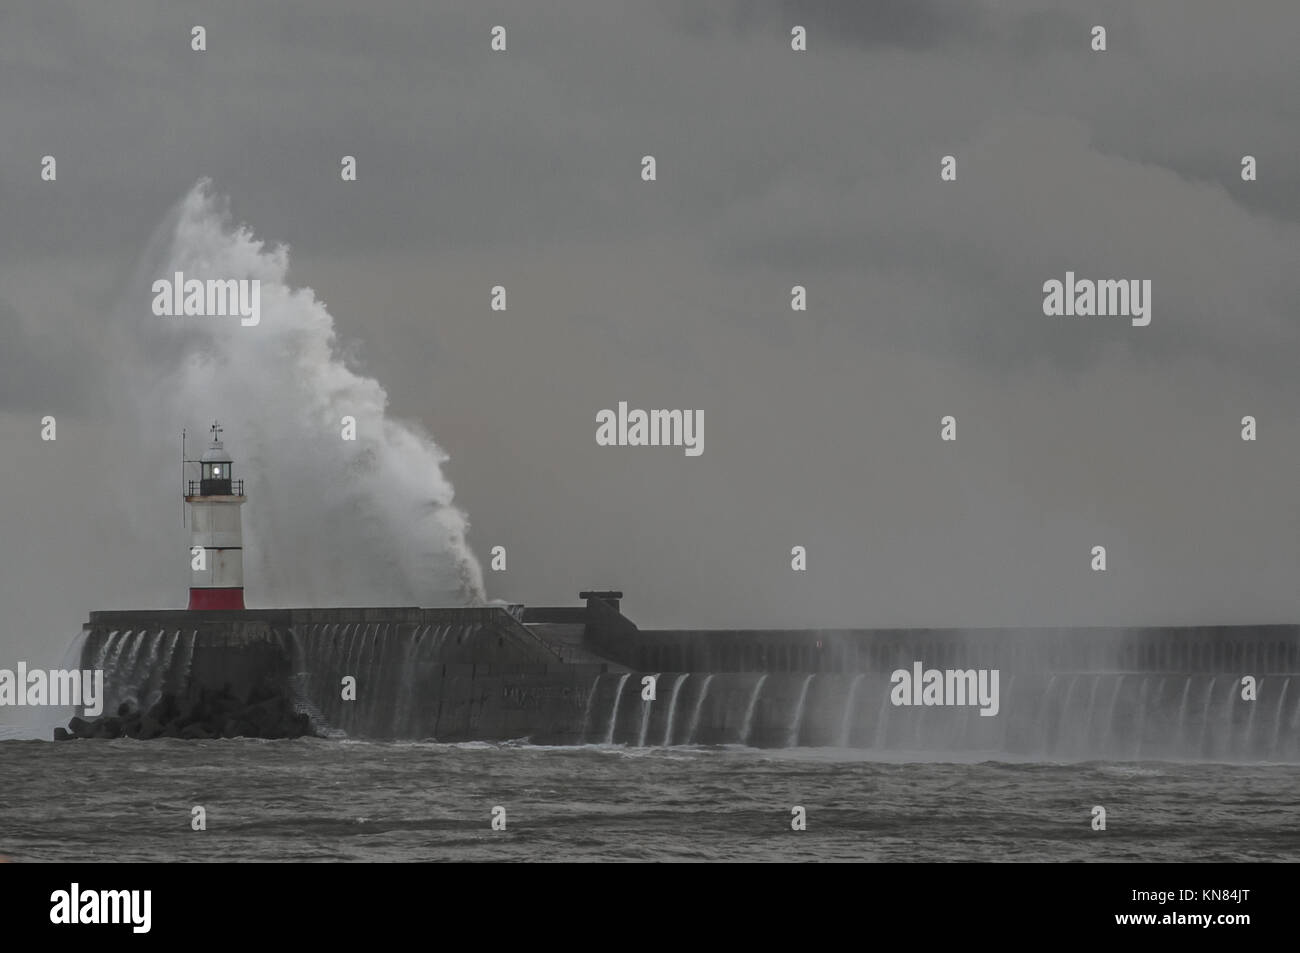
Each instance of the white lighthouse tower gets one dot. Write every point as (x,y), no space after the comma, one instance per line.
(216,540)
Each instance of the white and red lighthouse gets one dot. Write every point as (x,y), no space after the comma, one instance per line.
(216,539)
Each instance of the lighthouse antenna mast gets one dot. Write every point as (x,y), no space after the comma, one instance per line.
(184,482)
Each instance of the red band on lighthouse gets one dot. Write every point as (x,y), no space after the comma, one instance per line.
(201,600)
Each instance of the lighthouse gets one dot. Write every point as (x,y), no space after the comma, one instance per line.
(216,541)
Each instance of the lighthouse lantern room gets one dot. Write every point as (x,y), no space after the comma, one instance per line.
(216,540)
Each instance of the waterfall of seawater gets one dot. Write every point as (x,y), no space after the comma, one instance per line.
(613,712)
(405,687)
(1064,735)
(1254,708)
(646,705)
(1223,737)
(1141,718)
(1114,702)
(1061,716)
(846,720)
(139,666)
(300,688)
(1182,713)
(748,725)
(1277,719)
(586,713)
(882,722)
(409,683)
(1295,730)
(672,709)
(1040,720)
(1090,720)
(792,739)
(1205,717)
(693,731)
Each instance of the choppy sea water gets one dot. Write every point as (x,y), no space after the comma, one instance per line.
(320,800)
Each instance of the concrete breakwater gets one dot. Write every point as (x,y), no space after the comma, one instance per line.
(587,674)
(450,674)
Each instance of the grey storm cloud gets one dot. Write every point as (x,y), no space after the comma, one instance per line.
(44,372)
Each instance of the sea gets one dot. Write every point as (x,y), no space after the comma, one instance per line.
(344,800)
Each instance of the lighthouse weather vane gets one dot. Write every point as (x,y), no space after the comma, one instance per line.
(217,431)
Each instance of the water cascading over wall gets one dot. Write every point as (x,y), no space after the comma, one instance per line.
(144,655)
(449,674)
(483,674)
(1176,692)
(1080,716)
(453,675)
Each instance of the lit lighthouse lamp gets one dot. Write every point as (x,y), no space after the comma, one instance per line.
(216,541)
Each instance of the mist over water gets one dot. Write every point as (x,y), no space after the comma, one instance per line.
(328,521)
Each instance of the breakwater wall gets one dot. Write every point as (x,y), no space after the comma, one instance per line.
(577,674)
(1205,649)
(450,674)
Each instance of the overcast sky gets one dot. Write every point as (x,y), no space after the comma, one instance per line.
(775,168)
